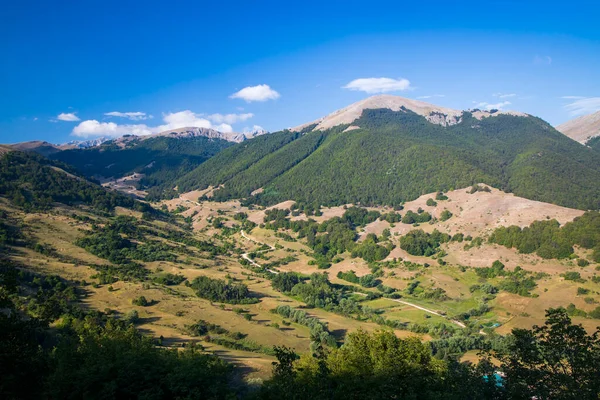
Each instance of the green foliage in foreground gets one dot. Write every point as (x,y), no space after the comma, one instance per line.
(72,354)
(381,366)
(69,353)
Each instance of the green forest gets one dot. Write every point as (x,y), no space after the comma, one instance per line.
(160,159)
(398,156)
(34,183)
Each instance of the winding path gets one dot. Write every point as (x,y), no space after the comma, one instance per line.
(246,257)
(455,322)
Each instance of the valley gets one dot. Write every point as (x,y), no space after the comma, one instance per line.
(243,252)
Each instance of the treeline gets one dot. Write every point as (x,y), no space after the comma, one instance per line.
(319,332)
(549,240)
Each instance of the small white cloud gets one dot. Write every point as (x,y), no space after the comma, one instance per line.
(572,97)
(35,118)
(134,116)
(583,105)
(378,85)
(70,117)
(431,96)
(488,106)
(229,118)
(504,95)
(256,93)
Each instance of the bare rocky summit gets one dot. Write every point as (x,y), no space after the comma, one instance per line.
(435,114)
(582,128)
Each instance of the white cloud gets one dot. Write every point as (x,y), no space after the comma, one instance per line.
(181,119)
(504,95)
(256,93)
(572,97)
(582,106)
(488,106)
(378,85)
(431,96)
(71,117)
(229,118)
(134,116)
(35,118)
(255,128)
(94,128)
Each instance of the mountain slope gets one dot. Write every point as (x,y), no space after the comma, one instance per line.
(582,128)
(395,156)
(34,183)
(161,159)
(36,146)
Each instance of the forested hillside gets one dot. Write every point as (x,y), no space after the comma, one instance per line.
(397,156)
(34,183)
(160,159)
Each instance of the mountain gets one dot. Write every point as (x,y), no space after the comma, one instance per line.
(209,133)
(35,183)
(159,158)
(432,113)
(398,151)
(583,129)
(36,146)
(83,144)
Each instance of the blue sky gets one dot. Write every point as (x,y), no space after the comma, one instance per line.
(235,65)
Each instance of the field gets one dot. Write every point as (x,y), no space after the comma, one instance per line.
(175,308)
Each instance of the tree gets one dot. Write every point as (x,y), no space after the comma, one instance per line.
(556,361)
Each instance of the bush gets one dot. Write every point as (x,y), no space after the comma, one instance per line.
(140,301)
(132,317)
(582,262)
(582,291)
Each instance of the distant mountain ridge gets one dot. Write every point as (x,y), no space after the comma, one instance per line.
(188,132)
(45,148)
